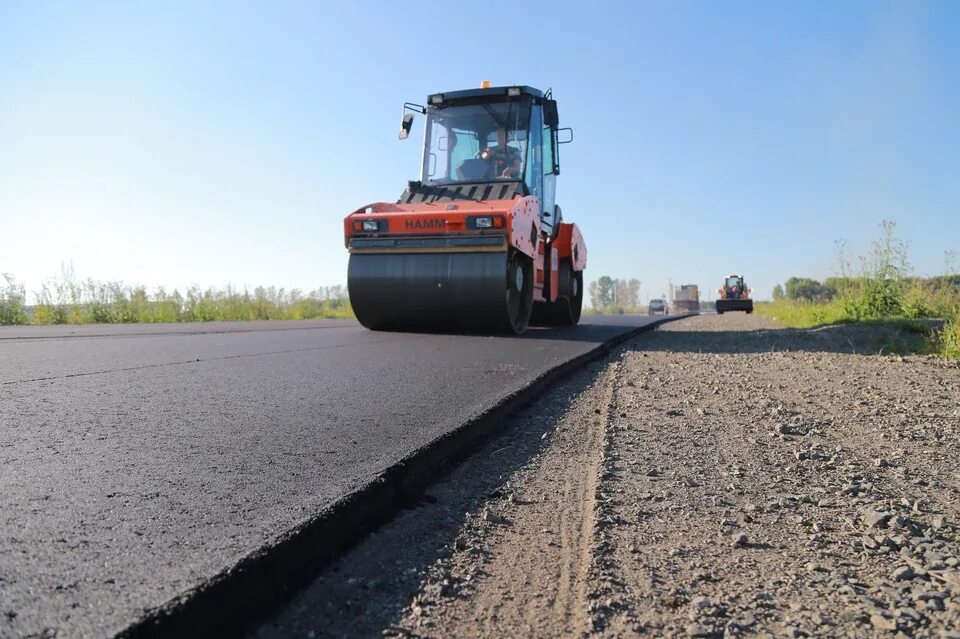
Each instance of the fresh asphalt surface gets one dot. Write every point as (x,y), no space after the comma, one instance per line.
(136,462)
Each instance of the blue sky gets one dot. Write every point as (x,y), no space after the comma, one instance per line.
(216,142)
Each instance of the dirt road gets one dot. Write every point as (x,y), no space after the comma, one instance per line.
(719,477)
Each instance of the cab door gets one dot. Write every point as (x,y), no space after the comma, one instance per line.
(550,165)
(534,170)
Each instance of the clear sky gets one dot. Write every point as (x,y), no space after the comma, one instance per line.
(172,143)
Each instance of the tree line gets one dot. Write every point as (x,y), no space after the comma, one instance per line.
(810,290)
(611,296)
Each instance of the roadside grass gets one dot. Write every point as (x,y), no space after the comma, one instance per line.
(803,314)
(70,301)
(908,310)
(950,339)
(12,302)
(885,294)
(614,309)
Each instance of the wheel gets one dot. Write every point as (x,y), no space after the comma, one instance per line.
(519,291)
(576,296)
(569,305)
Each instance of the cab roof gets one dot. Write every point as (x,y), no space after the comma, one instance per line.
(493,92)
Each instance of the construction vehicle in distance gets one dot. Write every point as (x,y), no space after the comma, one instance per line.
(478,242)
(734,295)
(686,298)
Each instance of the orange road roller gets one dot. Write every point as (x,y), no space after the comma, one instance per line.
(478,243)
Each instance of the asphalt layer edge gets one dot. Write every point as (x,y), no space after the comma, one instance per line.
(246,592)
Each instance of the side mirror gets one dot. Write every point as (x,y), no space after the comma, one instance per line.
(564,136)
(550,116)
(405,125)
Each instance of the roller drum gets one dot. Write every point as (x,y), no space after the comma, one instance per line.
(441,291)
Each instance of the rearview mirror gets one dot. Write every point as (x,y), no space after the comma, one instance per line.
(550,117)
(564,136)
(405,125)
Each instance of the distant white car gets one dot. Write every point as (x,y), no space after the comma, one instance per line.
(657,306)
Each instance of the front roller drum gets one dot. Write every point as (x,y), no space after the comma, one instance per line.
(474,292)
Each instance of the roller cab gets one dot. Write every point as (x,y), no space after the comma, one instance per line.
(478,242)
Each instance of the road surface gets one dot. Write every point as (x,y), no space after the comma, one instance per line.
(136,462)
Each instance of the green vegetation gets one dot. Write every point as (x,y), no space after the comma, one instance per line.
(950,339)
(68,300)
(884,293)
(610,296)
(12,302)
(801,313)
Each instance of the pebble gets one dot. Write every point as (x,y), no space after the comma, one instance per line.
(699,603)
(874,519)
(739,540)
(903,573)
(492,517)
(882,623)
(696,630)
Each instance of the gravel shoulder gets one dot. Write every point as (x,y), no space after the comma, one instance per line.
(721,476)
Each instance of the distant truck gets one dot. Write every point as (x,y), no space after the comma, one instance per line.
(734,295)
(686,298)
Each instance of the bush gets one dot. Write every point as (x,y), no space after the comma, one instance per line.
(12,302)
(950,338)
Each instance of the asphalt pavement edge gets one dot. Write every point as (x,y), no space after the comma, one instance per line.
(241,595)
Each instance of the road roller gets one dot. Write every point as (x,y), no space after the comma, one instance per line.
(734,295)
(478,243)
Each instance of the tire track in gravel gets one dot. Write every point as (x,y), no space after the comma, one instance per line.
(546,545)
(578,515)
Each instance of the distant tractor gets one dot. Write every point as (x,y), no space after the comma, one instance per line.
(734,295)
(686,298)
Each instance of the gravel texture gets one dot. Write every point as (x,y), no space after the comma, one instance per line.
(721,476)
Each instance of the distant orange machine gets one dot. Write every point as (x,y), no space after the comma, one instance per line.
(734,295)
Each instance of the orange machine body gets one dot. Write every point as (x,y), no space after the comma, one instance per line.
(514,223)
